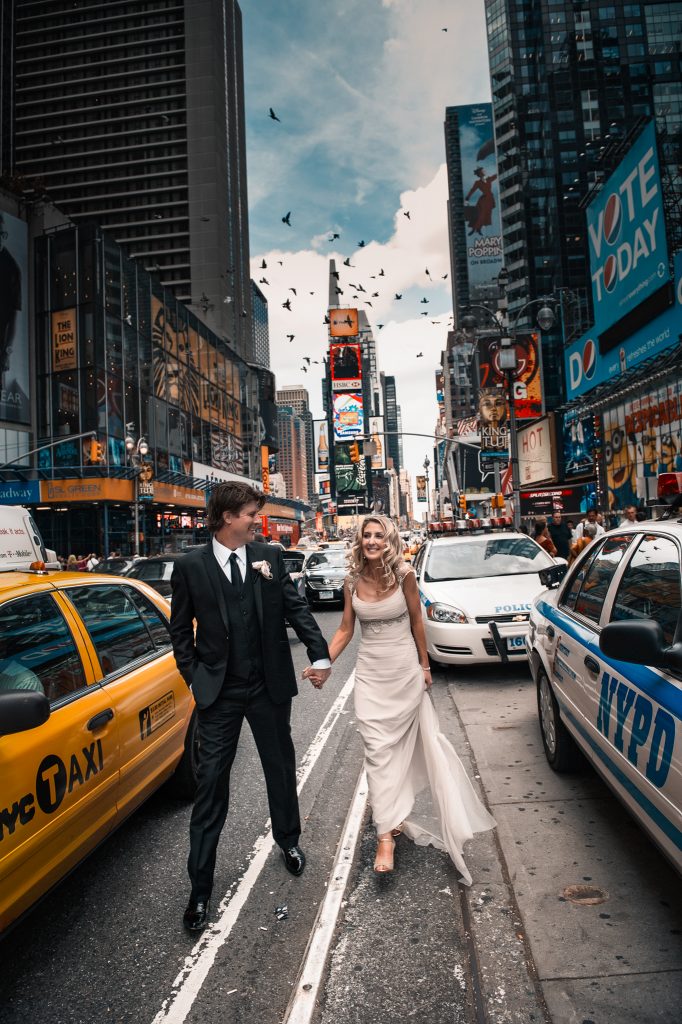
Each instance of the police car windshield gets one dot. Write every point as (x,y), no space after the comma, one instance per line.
(487,556)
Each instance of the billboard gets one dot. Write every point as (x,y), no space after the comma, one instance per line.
(345,362)
(376,433)
(526,378)
(493,411)
(480,196)
(570,501)
(350,478)
(321,441)
(343,323)
(642,438)
(585,367)
(14,370)
(421,488)
(626,234)
(579,439)
(537,452)
(348,417)
(64,340)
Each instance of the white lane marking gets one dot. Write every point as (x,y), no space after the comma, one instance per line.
(199,962)
(303,1002)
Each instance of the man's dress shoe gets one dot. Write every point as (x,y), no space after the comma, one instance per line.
(195,917)
(294,859)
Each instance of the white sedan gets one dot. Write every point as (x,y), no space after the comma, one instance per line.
(476,594)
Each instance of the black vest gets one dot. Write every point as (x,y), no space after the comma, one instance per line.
(245,659)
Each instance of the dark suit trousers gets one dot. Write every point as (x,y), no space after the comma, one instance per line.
(219,729)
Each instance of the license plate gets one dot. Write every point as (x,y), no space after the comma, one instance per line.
(516,643)
(326,595)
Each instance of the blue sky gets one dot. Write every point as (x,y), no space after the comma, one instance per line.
(360,87)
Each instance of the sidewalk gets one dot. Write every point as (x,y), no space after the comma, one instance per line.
(598,962)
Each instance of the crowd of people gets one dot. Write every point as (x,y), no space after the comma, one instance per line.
(566,538)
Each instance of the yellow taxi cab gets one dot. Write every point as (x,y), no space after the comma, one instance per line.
(94,716)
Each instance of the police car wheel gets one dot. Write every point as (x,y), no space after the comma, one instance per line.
(560,748)
(183,782)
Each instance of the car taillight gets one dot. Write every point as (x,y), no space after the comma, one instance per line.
(669,485)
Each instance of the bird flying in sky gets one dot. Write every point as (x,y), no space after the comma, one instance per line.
(285,218)
(273,115)
(287,305)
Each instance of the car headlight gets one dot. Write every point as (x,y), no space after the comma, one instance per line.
(444,613)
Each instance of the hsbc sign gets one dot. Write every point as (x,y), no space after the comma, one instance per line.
(626,232)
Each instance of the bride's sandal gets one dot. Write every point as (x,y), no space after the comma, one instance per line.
(395,832)
(383,862)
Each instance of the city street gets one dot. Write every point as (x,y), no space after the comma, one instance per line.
(108,944)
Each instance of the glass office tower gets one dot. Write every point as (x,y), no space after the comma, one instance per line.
(571,79)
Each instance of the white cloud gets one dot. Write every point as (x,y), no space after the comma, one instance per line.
(417,244)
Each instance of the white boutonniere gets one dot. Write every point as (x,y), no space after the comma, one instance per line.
(263,568)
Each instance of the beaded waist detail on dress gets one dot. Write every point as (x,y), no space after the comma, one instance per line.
(377,625)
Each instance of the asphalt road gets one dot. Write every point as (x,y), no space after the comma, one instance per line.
(108,943)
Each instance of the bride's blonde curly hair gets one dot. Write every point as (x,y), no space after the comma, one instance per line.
(391,559)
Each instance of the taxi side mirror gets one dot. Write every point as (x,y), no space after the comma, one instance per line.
(21,710)
(641,642)
(552,577)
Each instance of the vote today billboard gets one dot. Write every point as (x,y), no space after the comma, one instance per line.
(626,234)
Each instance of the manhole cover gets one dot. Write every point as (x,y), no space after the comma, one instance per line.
(585,895)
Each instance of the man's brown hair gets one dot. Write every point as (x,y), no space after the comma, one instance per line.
(231,496)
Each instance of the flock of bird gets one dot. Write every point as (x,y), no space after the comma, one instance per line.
(352,291)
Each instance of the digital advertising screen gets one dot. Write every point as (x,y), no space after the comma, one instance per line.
(348,416)
(481,206)
(526,378)
(345,362)
(14,364)
(343,323)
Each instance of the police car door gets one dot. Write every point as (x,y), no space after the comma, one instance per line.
(59,781)
(577,657)
(635,711)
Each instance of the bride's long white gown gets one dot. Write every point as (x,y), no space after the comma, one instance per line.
(415,777)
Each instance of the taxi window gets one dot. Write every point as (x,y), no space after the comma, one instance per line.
(152,617)
(590,600)
(650,587)
(37,651)
(153,571)
(116,628)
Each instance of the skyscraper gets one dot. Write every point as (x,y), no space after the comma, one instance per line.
(297,399)
(261,326)
(291,458)
(131,115)
(570,81)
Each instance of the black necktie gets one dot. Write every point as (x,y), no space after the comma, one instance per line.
(235,575)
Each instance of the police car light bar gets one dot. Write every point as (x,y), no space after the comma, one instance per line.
(470,525)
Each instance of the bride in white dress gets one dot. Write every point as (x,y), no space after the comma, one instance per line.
(417,783)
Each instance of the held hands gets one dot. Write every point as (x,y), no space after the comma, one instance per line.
(317,676)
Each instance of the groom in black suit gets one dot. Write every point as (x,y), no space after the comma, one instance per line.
(238,665)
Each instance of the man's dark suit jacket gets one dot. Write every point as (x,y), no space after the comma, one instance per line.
(198,593)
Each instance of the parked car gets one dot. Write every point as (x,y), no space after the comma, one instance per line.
(293,563)
(115,566)
(324,573)
(605,649)
(476,591)
(94,716)
(156,571)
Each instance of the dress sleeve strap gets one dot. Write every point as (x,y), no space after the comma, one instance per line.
(404,574)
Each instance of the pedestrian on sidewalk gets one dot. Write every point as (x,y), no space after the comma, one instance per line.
(417,783)
(560,533)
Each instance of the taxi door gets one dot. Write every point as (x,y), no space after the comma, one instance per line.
(58,782)
(137,671)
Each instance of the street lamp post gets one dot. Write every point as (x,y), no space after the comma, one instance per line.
(136,450)
(428,499)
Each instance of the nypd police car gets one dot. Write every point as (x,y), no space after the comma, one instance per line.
(605,649)
(476,587)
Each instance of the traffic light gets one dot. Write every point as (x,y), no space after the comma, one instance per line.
(96,451)
(354,451)
(463,502)
(497,501)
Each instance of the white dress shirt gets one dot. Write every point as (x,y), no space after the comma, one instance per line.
(222,555)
